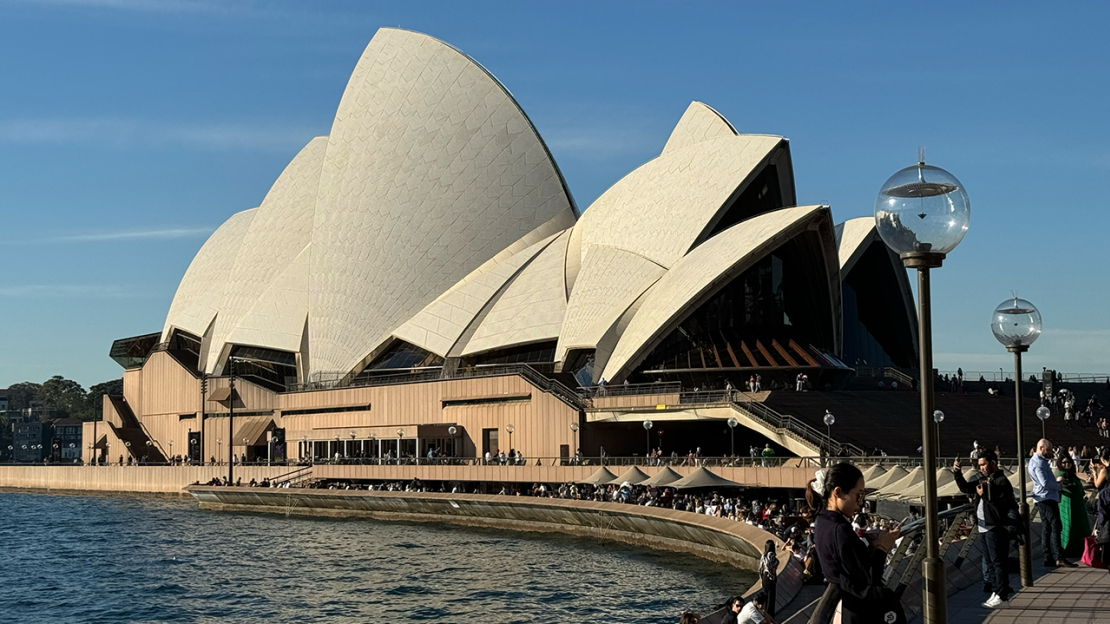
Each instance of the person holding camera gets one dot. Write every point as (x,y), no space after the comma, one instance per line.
(993,497)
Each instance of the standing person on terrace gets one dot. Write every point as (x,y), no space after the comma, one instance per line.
(768,575)
(1074,523)
(853,568)
(1046,494)
(993,497)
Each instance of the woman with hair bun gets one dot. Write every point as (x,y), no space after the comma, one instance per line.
(851,566)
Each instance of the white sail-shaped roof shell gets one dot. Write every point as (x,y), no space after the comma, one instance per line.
(699,123)
(431,170)
(438,327)
(531,307)
(200,293)
(709,268)
(279,234)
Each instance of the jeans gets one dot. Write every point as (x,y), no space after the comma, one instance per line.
(996,552)
(1050,531)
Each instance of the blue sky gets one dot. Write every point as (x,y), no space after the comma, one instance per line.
(130,129)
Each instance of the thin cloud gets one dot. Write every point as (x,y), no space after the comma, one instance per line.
(66,291)
(158,234)
(129,133)
(165,234)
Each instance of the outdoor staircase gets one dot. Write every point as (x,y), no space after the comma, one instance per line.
(793,428)
(132,431)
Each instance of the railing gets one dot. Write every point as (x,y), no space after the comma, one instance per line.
(294,477)
(903,565)
(536,378)
(795,428)
(671,387)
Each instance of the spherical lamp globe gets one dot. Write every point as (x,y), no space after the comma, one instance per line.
(1016,324)
(938,416)
(1043,413)
(829,419)
(922,212)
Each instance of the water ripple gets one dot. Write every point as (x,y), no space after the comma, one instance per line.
(112,560)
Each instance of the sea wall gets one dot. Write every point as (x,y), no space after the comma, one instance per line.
(171,479)
(716,539)
(124,479)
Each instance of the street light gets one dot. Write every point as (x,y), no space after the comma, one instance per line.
(1017,324)
(938,417)
(304,447)
(647,431)
(922,212)
(574,429)
(400,435)
(732,422)
(829,420)
(1043,413)
(510,428)
(451,431)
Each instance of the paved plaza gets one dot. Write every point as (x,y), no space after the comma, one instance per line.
(1070,596)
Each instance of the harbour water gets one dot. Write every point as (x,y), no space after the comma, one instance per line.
(120,559)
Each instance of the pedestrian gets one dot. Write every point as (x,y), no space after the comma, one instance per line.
(1103,523)
(1074,523)
(993,498)
(767,453)
(768,575)
(755,611)
(735,605)
(1046,495)
(854,570)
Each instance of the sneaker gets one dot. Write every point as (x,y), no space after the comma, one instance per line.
(995,601)
(1065,564)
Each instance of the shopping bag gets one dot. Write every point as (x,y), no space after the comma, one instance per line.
(1090,553)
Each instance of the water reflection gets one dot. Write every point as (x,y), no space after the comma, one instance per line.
(90,559)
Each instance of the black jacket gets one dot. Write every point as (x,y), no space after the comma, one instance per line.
(845,561)
(998,496)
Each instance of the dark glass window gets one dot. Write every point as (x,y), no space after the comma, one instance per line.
(535,353)
(403,355)
(763,317)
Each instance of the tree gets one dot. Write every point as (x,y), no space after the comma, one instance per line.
(97,392)
(21,394)
(65,395)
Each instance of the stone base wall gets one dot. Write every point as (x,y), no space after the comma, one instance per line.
(124,479)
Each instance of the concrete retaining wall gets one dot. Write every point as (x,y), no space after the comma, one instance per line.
(124,479)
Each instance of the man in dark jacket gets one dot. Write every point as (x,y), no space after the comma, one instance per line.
(993,497)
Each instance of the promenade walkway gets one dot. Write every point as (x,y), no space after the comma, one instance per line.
(1060,596)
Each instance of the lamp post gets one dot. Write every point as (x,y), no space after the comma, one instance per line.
(510,428)
(352,434)
(1017,324)
(219,451)
(922,212)
(230,417)
(400,435)
(171,452)
(1043,413)
(938,417)
(647,432)
(451,431)
(829,420)
(304,449)
(732,422)
(337,448)
(574,430)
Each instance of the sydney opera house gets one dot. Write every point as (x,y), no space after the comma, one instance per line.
(421,278)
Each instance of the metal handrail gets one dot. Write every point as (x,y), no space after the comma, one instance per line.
(670,387)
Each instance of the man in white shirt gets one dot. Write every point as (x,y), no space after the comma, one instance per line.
(752,613)
(1046,495)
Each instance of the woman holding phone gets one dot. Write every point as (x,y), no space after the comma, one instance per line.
(853,568)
